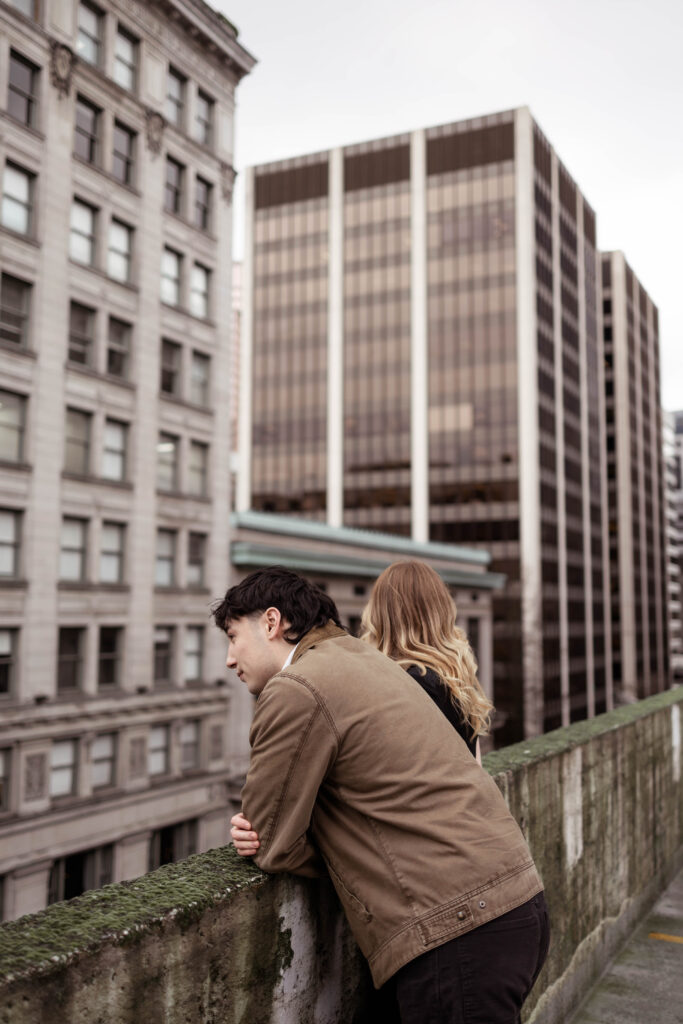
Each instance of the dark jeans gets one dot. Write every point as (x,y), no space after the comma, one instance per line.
(482,977)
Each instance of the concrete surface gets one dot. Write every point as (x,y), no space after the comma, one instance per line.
(644,984)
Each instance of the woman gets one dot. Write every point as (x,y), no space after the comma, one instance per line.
(410,617)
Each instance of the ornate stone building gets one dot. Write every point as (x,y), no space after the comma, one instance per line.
(116,143)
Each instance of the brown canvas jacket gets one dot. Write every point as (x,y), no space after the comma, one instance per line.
(354,768)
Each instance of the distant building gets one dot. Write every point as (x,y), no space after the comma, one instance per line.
(422,355)
(637,508)
(235,334)
(673,467)
(115,242)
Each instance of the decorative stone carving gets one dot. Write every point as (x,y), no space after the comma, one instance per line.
(138,757)
(35,777)
(228,175)
(154,123)
(61,67)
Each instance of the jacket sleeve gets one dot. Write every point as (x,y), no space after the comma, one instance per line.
(293,745)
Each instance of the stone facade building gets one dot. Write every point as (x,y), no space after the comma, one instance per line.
(116,143)
(422,355)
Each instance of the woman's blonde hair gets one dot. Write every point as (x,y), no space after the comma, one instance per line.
(410,617)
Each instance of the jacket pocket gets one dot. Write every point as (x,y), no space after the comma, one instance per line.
(348,897)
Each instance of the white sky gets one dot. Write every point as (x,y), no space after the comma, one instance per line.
(603,78)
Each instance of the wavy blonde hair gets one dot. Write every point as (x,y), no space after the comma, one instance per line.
(410,617)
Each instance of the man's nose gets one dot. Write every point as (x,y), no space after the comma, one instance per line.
(230,661)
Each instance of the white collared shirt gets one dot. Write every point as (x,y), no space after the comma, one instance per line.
(289,659)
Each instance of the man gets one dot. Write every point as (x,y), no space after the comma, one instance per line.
(355,770)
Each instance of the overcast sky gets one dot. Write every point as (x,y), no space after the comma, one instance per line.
(603,78)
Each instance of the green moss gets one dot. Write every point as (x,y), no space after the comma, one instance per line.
(122,912)
(541,748)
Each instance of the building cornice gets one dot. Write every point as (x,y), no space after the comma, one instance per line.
(211,30)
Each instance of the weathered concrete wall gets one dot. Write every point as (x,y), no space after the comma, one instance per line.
(214,941)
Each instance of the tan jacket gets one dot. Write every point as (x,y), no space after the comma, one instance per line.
(353,762)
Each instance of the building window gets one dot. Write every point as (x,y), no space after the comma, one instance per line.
(103,755)
(81,334)
(10,541)
(195,559)
(194,646)
(87,131)
(124,153)
(175,97)
(72,556)
(163,654)
(114,450)
(203,118)
(189,745)
(172,844)
(80,872)
(22,100)
(12,420)
(109,656)
(202,204)
(174,186)
(70,658)
(199,291)
(77,450)
(82,232)
(169,383)
(25,6)
(63,761)
(125,59)
(199,379)
(8,659)
(111,552)
(89,33)
(5,769)
(198,468)
(120,251)
(167,463)
(157,750)
(15,303)
(165,560)
(17,199)
(118,347)
(170,277)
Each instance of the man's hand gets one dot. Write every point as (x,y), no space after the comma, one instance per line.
(244,839)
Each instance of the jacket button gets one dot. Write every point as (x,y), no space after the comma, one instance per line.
(461,915)
(482,903)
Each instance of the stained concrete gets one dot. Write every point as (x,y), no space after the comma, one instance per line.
(644,984)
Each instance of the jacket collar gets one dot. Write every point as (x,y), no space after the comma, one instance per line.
(316,636)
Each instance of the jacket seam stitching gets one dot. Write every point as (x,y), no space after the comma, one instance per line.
(316,696)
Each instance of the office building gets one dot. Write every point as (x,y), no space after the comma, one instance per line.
(636,490)
(672,426)
(115,245)
(422,355)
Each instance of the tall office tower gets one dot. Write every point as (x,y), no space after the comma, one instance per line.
(115,228)
(637,511)
(422,355)
(673,469)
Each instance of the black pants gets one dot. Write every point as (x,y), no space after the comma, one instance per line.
(482,977)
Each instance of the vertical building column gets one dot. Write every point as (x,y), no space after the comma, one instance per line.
(559,450)
(604,495)
(644,681)
(628,690)
(419,437)
(243,496)
(335,341)
(585,460)
(527,385)
(659,492)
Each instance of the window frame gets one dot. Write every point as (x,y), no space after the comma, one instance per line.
(194,537)
(175,281)
(162,463)
(125,254)
(166,561)
(200,298)
(198,397)
(119,61)
(118,553)
(76,233)
(26,204)
(68,765)
(18,428)
(127,159)
(86,341)
(81,31)
(31,98)
(195,652)
(193,744)
(170,367)
(74,659)
(117,349)
(111,760)
(72,443)
(68,549)
(121,452)
(12,544)
(202,210)
(90,141)
(8,662)
(174,106)
(198,472)
(161,729)
(205,134)
(21,315)
(174,186)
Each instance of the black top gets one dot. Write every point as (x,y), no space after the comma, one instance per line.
(432,684)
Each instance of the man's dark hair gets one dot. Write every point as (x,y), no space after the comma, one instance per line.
(303,604)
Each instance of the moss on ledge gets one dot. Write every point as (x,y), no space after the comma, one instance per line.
(540,748)
(122,912)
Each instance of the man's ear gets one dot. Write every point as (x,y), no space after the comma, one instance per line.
(275,624)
